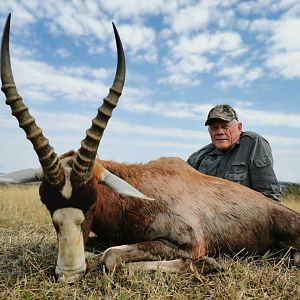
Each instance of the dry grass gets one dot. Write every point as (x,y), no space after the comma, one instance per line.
(291,196)
(28,254)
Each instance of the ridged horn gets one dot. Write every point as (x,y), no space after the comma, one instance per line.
(84,160)
(49,160)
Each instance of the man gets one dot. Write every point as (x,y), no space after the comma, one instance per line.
(243,157)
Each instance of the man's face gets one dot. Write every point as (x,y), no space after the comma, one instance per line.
(224,134)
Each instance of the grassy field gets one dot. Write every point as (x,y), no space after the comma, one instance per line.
(28,257)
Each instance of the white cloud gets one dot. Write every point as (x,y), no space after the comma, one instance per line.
(263,7)
(48,80)
(192,111)
(178,110)
(22,52)
(282,140)
(88,72)
(282,44)
(243,103)
(139,41)
(184,71)
(83,22)
(179,79)
(22,16)
(238,75)
(45,82)
(285,64)
(270,118)
(190,55)
(69,22)
(63,52)
(90,24)
(254,7)
(95,50)
(286,35)
(76,19)
(57,120)
(242,24)
(187,19)
(137,8)
(232,71)
(207,43)
(195,16)
(120,127)
(75,124)
(284,52)
(292,7)
(262,25)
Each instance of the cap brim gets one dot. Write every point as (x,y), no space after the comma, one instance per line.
(213,119)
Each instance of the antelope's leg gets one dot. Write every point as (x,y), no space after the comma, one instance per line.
(153,254)
(180,265)
(145,251)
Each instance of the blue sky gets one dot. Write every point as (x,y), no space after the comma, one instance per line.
(183,57)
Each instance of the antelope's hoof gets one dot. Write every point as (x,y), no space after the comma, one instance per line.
(206,265)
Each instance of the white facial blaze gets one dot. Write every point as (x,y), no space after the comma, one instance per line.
(71,258)
(67,188)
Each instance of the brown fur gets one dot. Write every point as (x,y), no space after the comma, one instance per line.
(193,214)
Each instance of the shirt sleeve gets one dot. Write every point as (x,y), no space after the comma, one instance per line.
(263,178)
(195,159)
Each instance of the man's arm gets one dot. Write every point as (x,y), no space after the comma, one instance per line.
(195,159)
(263,178)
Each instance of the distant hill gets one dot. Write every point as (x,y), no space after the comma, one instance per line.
(286,187)
(290,190)
(289,185)
(285,184)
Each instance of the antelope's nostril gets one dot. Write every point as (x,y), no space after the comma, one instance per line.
(60,278)
(70,274)
(69,278)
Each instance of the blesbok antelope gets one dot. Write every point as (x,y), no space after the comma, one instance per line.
(162,213)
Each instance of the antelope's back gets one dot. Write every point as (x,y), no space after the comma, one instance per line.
(173,182)
(229,214)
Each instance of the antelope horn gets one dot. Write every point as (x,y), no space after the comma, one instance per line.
(49,160)
(84,160)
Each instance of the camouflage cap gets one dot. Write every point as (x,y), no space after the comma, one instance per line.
(222,111)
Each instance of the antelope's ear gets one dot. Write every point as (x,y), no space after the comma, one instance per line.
(120,186)
(23,176)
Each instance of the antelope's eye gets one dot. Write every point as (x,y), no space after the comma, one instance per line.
(78,223)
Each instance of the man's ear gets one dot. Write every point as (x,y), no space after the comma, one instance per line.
(240,126)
